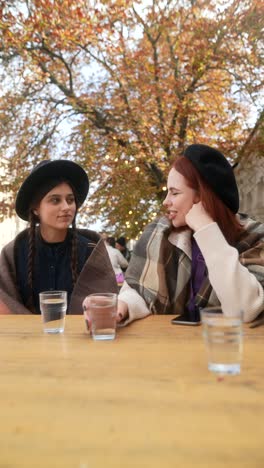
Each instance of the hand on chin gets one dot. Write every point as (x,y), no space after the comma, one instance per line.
(197,217)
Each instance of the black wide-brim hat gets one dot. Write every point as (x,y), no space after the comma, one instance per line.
(47,170)
(216,171)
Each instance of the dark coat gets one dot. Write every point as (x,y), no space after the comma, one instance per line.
(97,275)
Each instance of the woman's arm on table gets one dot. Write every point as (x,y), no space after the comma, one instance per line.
(131,306)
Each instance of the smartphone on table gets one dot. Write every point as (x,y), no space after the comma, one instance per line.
(183,320)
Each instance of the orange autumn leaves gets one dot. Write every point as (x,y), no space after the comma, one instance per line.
(121,89)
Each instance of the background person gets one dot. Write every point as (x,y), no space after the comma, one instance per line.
(118,261)
(122,247)
(202,253)
(51,255)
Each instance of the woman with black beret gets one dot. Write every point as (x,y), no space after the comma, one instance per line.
(203,253)
(52,254)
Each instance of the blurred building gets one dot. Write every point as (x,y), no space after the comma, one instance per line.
(11,225)
(250,173)
(9,228)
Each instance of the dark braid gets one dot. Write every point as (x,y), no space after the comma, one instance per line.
(74,253)
(31,250)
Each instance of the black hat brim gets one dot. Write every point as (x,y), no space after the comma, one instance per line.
(61,169)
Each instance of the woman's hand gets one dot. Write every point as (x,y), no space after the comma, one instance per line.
(86,307)
(197,217)
(122,311)
(4,310)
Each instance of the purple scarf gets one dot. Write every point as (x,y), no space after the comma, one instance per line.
(198,274)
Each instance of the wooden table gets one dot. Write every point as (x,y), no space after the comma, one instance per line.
(143,400)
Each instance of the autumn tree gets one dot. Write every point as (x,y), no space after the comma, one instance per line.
(122,86)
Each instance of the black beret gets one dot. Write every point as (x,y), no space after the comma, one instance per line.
(216,171)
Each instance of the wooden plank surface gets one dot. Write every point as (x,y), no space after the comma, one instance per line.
(143,400)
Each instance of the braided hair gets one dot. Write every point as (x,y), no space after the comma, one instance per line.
(74,258)
(34,220)
(31,249)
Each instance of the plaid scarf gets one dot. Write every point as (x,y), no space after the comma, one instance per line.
(161,272)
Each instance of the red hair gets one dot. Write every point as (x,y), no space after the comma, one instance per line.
(215,207)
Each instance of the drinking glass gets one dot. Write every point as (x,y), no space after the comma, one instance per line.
(100,315)
(223,339)
(53,305)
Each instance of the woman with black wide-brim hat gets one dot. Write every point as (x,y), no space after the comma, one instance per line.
(52,254)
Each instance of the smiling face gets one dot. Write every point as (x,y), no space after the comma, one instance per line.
(180,198)
(56,212)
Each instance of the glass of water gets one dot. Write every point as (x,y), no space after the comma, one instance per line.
(101,315)
(53,306)
(223,337)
